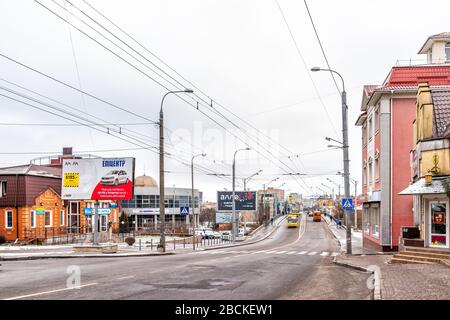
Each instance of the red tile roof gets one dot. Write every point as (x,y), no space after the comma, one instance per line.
(412,76)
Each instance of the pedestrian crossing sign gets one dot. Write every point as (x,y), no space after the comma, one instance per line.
(347,203)
(184,211)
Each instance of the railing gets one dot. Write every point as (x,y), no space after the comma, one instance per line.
(55,235)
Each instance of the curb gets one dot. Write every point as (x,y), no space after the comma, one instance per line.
(376,276)
(123,255)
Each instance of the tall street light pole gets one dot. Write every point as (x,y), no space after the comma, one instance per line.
(246,180)
(193,198)
(233,214)
(162,209)
(264,188)
(345,155)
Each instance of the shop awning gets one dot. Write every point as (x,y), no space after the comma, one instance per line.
(437,186)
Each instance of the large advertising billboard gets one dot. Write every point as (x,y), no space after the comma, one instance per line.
(98,179)
(244,200)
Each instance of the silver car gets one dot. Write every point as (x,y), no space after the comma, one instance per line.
(114,178)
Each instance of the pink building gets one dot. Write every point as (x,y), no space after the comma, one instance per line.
(388,112)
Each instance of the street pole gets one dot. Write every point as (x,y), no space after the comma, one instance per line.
(95,224)
(345,156)
(233,214)
(193,199)
(162,209)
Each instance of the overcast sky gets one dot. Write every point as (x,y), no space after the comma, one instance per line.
(238,53)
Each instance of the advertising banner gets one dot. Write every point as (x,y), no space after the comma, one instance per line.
(98,179)
(244,200)
(224,217)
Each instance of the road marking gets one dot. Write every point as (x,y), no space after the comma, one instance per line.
(126,277)
(270,251)
(243,251)
(292,252)
(280,252)
(312,253)
(51,291)
(303,252)
(325,253)
(260,251)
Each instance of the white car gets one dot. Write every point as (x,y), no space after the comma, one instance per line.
(226,235)
(114,178)
(217,235)
(209,234)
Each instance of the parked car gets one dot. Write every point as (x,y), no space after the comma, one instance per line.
(226,235)
(209,234)
(217,234)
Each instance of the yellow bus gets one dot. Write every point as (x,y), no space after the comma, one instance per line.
(293,221)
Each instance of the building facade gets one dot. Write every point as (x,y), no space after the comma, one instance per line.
(430,168)
(387,114)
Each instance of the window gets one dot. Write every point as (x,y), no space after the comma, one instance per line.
(377,169)
(370,168)
(447,51)
(62,218)
(8,219)
(377,119)
(2,188)
(33,219)
(364,134)
(375,221)
(366,219)
(370,128)
(48,218)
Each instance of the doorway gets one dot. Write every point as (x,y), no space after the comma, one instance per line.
(439,224)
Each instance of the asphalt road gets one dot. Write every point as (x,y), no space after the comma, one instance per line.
(293,263)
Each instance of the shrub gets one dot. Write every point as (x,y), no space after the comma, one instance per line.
(2,239)
(130,241)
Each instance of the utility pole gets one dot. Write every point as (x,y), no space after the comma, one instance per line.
(162,209)
(193,199)
(233,215)
(95,224)
(346,159)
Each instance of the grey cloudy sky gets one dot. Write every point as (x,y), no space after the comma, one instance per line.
(239,53)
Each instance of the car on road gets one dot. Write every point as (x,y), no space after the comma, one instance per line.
(226,235)
(114,178)
(310,214)
(217,234)
(209,233)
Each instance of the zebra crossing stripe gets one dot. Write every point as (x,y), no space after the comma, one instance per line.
(312,253)
(303,252)
(325,253)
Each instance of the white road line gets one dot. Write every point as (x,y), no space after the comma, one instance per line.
(325,253)
(123,278)
(303,252)
(260,251)
(312,253)
(51,291)
(270,251)
(292,252)
(280,252)
(243,251)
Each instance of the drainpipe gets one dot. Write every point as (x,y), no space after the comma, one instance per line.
(390,168)
(15,206)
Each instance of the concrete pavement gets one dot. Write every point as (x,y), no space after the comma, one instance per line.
(289,264)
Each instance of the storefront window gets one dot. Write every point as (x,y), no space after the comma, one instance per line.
(375,222)
(366,220)
(438,224)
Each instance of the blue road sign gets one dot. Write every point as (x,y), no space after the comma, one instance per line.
(184,211)
(347,203)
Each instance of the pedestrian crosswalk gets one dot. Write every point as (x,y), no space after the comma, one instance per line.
(270,252)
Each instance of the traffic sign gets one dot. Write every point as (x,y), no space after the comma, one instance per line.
(184,211)
(347,203)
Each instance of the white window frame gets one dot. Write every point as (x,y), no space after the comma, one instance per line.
(33,218)
(447,51)
(62,218)
(370,128)
(3,186)
(366,216)
(6,219)
(51,218)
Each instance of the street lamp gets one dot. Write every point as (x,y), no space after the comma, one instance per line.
(345,155)
(355,182)
(234,200)
(246,180)
(162,209)
(264,195)
(331,188)
(193,197)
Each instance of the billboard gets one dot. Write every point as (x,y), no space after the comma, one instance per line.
(244,200)
(224,217)
(98,179)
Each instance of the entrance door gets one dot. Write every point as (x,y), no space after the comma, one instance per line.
(439,224)
(74,217)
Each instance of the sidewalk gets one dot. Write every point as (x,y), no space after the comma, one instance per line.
(341,235)
(403,281)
